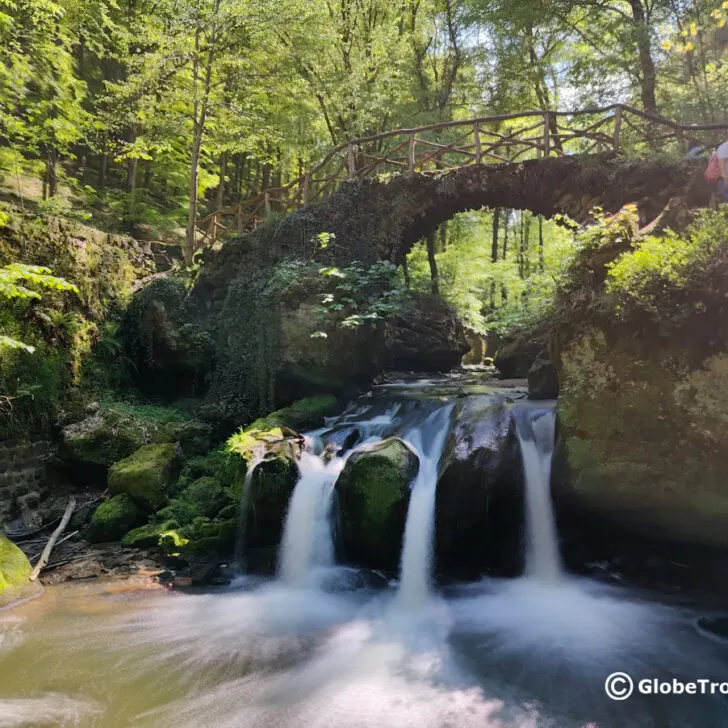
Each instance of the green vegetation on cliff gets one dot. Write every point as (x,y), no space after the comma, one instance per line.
(643,368)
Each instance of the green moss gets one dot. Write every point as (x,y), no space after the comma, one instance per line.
(113,518)
(305,413)
(117,430)
(15,571)
(374,490)
(270,491)
(149,535)
(65,329)
(146,474)
(204,497)
(195,438)
(102,439)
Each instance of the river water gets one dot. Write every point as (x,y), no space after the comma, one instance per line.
(310,648)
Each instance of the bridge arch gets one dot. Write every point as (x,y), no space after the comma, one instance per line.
(370,219)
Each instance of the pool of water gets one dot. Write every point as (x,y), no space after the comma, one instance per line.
(497,654)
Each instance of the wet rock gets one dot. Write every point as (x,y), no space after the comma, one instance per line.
(203,497)
(113,518)
(543,379)
(373,493)
(271,487)
(518,352)
(479,503)
(148,535)
(146,474)
(426,337)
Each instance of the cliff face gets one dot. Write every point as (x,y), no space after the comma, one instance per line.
(640,341)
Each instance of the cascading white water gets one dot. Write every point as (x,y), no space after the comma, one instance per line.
(307,541)
(239,556)
(536,437)
(428,440)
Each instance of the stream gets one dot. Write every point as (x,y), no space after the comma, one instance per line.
(321,647)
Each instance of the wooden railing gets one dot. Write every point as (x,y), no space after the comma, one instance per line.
(453,144)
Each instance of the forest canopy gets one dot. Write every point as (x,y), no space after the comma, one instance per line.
(142,117)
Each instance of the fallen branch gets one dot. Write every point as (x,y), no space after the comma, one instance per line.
(22,536)
(54,537)
(60,541)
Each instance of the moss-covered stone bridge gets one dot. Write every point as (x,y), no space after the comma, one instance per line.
(374,219)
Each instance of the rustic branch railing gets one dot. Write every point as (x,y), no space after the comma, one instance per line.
(454,144)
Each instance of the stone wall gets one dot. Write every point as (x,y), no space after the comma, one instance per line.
(23,479)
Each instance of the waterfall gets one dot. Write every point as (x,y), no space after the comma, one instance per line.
(427,440)
(239,557)
(307,536)
(536,429)
(307,541)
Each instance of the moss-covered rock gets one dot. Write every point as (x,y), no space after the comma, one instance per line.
(116,431)
(148,535)
(113,518)
(146,474)
(171,352)
(101,439)
(641,347)
(15,572)
(195,438)
(646,439)
(374,491)
(203,497)
(303,414)
(271,486)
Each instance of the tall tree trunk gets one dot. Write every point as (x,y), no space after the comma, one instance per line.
(648,73)
(406,273)
(506,219)
(496,226)
(147,182)
(51,173)
(434,275)
(220,195)
(132,165)
(190,239)
(494,251)
(103,169)
(540,243)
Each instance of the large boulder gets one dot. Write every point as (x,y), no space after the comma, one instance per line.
(479,505)
(15,571)
(113,518)
(146,474)
(269,491)
(543,379)
(426,337)
(518,351)
(373,493)
(101,439)
(115,432)
(646,440)
(171,352)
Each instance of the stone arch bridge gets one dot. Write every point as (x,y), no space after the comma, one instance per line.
(379,195)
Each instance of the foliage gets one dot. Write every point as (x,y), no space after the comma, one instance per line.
(513,291)
(656,264)
(16,280)
(139,113)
